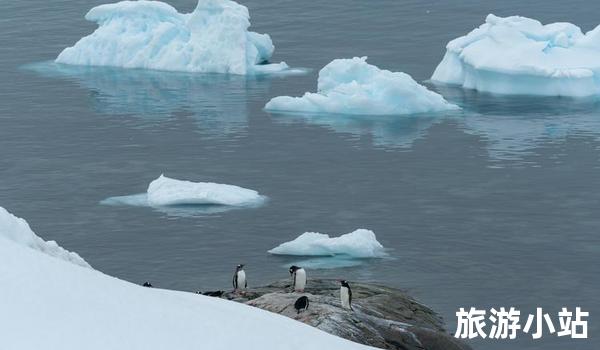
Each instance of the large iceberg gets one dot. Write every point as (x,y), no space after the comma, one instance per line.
(352,86)
(185,198)
(358,244)
(214,38)
(50,303)
(17,230)
(519,55)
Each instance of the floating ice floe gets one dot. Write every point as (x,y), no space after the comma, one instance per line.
(214,38)
(358,244)
(519,55)
(183,198)
(352,86)
(18,231)
(68,307)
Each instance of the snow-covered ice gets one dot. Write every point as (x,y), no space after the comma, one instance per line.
(353,86)
(214,38)
(167,192)
(50,303)
(18,231)
(358,244)
(519,55)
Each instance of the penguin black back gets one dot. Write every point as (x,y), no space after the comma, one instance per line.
(301,303)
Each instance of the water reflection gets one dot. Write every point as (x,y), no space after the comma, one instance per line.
(385,131)
(512,127)
(216,102)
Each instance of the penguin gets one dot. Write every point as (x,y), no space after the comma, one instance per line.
(301,304)
(346,295)
(239,278)
(147,284)
(298,278)
(216,293)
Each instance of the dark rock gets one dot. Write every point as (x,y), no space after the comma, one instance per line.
(383,317)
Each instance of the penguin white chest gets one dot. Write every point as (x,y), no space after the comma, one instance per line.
(300,280)
(241,279)
(345,297)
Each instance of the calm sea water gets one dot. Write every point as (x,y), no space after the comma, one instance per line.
(495,206)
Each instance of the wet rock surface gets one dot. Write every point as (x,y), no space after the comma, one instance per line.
(383,317)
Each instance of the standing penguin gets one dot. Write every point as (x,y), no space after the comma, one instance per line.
(298,278)
(239,278)
(346,295)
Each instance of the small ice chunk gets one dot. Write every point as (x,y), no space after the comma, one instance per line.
(165,191)
(17,230)
(186,198)
(352,86)
(358,244)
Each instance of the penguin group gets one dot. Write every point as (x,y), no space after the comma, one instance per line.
(298,275)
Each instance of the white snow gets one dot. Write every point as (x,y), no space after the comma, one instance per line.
(352,86)
(519,55)
(17,230)
(167,192)
(214,38)
(358,244)
(50,303)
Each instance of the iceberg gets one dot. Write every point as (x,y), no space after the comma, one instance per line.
(519,55)
(184,198)
(165,191)
(353,86)
(358,244)
(214,38)
(50,303)
(17,230)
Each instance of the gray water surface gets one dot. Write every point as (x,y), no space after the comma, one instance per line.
(497,205)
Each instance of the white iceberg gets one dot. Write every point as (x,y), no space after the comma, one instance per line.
(352,86)
(18,231)
(358,244)
(49,303)
(186,198)
(214,38)
(519,55)
(165,191)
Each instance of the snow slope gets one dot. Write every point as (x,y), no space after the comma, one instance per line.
(352,86)
(167,192)
(17,230)
(51,303)
(358,244)
(519,55)
(214,38)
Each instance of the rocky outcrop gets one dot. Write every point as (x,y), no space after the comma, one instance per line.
(383,317)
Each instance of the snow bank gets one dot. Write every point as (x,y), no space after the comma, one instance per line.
(17,230)
(359,244)
(214,38)
(49,303)
(352,86)
(519,55)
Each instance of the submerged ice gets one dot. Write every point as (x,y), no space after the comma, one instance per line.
(519,55)
(214,38)
(358,244)
(353,86)
(180,197)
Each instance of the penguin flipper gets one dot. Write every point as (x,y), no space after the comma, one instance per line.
(235,280)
